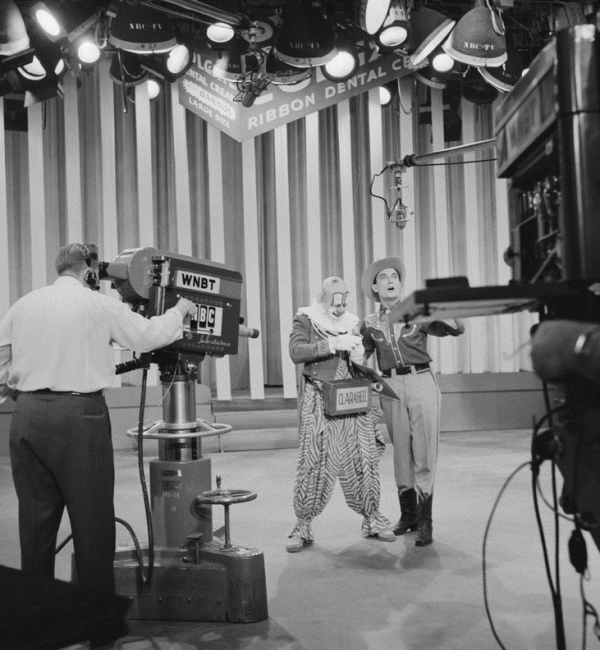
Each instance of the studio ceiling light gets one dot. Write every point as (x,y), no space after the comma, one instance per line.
(345,63)
(33,71)
(142,30)
(305,38)
(87,52)
(429,29)
(396,27)
(31,79)
(13,34)
(169,66)
(219,34)
(478,38)
(47,60)
(440,61)
(61,20)
(372,14)
(387,93)
(154,88)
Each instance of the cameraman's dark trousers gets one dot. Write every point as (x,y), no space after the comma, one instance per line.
(62,456)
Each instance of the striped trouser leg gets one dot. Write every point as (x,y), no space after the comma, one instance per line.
(361,446)
(318,462)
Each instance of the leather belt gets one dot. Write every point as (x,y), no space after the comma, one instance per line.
(47,391)
(406,370)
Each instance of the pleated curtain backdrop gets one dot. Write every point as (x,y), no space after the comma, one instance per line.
(286,209)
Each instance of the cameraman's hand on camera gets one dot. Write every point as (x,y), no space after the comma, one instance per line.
(562,349)
(186,307)
(344,342)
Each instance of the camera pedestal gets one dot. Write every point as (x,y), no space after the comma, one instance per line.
(198,583)
(193,578)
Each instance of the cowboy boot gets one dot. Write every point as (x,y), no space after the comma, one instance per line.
(409,513)
(425,526)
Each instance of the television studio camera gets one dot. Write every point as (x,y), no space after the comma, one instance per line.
(189,576)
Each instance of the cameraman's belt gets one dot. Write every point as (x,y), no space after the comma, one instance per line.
(406,370)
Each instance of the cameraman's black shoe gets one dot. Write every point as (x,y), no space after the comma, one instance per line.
(425,527)
(409,512)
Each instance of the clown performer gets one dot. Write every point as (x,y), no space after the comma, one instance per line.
(324,338)
(413,420)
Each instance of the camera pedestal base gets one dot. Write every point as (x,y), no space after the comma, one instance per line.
(198,583)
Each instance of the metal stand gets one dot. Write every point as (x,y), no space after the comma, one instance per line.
(193,579)
(223,498)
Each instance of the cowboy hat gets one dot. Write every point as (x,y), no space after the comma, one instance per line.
(374,269)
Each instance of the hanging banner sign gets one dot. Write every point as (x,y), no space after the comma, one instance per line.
(213,99)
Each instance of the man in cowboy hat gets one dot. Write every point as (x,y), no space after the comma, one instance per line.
(413,420)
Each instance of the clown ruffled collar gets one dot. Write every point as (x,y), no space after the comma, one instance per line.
(325,325)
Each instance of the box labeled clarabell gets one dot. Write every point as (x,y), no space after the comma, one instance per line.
(346,396)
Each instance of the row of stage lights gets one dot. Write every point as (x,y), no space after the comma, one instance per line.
(323,35)
(63,36)
(145,46)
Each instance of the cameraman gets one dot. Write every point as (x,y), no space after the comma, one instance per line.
(55,361)
(564,349)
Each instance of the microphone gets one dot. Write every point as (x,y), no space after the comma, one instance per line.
(257,84)
(399,214)
(249,332)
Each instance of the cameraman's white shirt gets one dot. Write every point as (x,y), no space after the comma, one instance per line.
(58,337)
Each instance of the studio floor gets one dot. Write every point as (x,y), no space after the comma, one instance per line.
(350,593)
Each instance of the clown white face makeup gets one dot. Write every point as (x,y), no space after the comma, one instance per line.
(387,285)
(338,305)
(335,298)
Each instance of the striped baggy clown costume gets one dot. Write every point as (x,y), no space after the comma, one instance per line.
(345,447)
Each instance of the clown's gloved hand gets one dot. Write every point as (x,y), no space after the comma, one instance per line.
(344,342)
